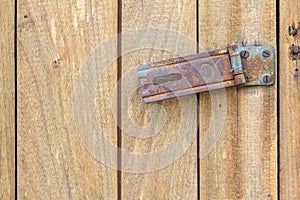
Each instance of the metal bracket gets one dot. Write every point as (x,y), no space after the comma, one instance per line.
(232,66)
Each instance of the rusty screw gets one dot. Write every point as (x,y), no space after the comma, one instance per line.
(295,50)
(244,54)
(267,78)
(266,53)
(293,31)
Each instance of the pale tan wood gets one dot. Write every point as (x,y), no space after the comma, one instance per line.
(289,104)
(178,180)
(7,102)
(54,39)
(242,164)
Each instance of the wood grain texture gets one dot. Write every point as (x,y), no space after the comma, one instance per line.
(7,102)
(289,103)
(179,179)
(242,164)
(54,39)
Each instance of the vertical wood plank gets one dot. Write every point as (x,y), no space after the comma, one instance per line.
(242,164)
(179,179)
(54,39)
(7,102)
(289,103)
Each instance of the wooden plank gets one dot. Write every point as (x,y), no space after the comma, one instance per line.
(179,179)
(242,164)
(54,39)
(289,103)
(7,102)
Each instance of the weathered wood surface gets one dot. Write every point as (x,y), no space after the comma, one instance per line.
(289,103)
(7,102)
(179,179)
(54,39)
(55,163)
(243,163)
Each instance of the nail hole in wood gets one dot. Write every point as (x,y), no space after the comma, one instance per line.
(57,61)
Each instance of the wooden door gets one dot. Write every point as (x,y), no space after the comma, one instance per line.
(71,104)
(7,102)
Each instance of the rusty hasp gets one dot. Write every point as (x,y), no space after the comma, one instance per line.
(232,66)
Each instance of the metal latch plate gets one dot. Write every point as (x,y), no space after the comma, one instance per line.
(245,65)
(259,67)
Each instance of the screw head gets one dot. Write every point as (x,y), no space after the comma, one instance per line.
(294,32)
(296,50)
(266,53)
(245,54)
(267,78)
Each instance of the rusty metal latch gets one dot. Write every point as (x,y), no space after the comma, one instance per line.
(232,66)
